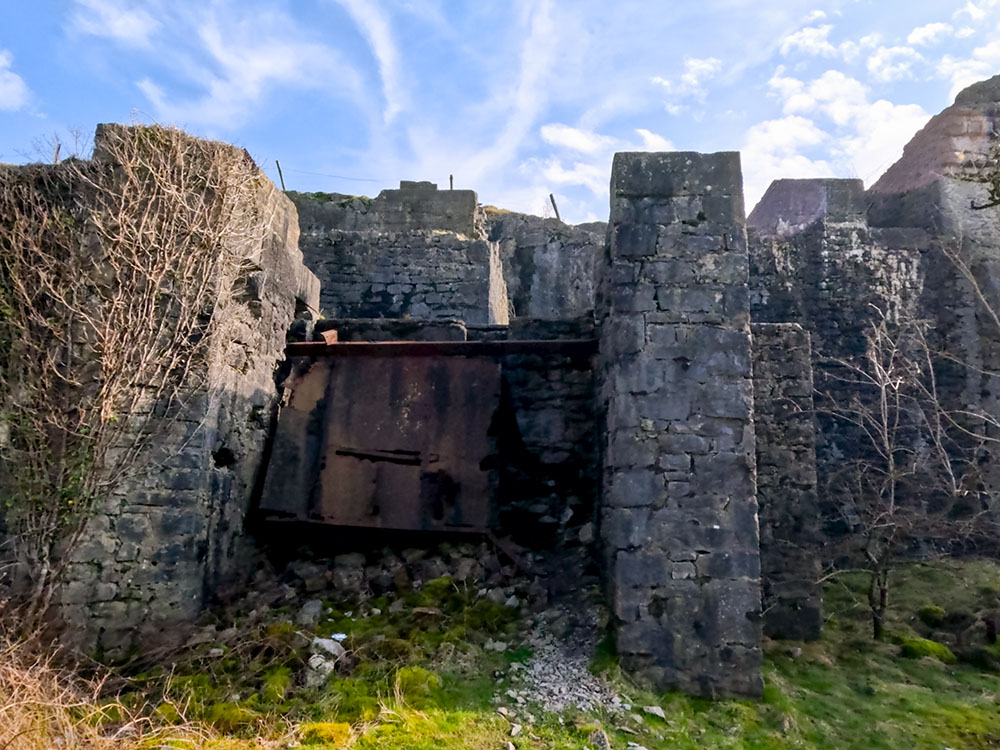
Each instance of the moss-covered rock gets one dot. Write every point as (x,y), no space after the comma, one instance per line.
(917,648)
(932,615)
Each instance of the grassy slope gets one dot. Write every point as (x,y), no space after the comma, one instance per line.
(843,692)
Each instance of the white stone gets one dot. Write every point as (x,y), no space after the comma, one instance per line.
(655,711)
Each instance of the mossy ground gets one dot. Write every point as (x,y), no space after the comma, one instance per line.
(418,678)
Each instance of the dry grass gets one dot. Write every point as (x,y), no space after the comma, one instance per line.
(45,706)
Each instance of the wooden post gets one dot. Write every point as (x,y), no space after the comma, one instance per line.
(451,182)
(554,206)
(280,175)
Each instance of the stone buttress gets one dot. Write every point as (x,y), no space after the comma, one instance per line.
(679,517)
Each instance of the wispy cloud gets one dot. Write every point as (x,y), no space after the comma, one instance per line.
(108,18)
(14,93)
(239,64)
(576,139)
(653,142)
(522,99)
(976,11)
(690,83)
(583,157)
(529,95)
(374,25)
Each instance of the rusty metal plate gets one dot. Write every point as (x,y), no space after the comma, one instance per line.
(404,443)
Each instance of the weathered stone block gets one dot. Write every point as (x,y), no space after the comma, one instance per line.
(641,569)
(643,175)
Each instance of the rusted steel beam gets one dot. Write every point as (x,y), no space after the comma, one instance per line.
(555,347)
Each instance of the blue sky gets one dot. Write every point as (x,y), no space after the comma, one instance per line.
(516,99)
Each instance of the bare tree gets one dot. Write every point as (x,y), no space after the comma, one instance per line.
(912,478)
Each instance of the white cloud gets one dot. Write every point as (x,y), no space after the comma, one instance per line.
(784,136)
(374,25)
(870,41)
(865,137)
(815,41)
(14,94)
(929,33)
(697,71)
(653,142)
(881,130)
(592,170)
(888,64)
(107,18)
(834,94)
(773,149)
(812,40)
(595,177)
(576,139)
(982,63)
(525,98)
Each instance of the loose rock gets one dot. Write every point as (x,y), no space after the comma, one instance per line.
(310,613)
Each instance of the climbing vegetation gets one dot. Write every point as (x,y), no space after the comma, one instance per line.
(115,274)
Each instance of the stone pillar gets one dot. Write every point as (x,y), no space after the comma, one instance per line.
(790,544)
(679,516)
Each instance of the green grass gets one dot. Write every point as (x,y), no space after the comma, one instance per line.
(421,680)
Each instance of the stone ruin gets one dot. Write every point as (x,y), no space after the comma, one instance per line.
(640,390)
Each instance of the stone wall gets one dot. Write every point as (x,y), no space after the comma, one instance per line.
(416,275)
(826,255)
(788,508)
(415,253)
(171,537)
(929,188)
(548,265)
(815,261)
(679,514)
(549,471)
(415,207)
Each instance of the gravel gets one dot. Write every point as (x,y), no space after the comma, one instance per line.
(557,677)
